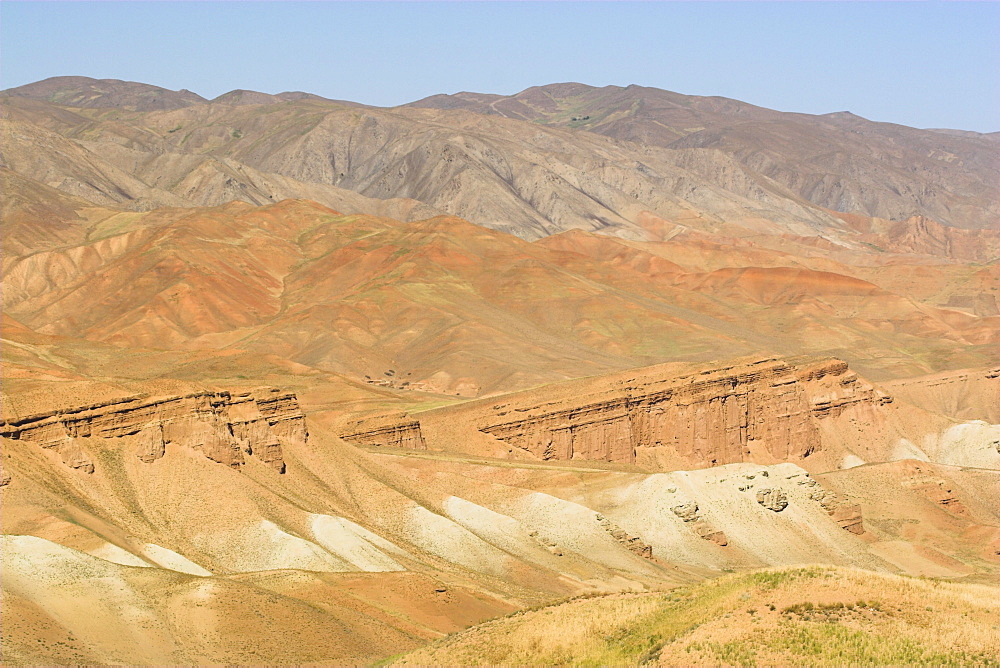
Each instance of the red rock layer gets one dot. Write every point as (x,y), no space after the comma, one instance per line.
(391,431)
(223,426)
(715,417)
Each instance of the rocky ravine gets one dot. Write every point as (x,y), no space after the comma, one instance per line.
(223,426)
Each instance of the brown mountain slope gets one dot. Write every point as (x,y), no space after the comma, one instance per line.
(839,161)
(37,217)
(105,93)
(505,174)
(449,306)
(85,92)
(514,175)
(921,236)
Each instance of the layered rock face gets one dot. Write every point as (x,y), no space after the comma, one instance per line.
(224,426)
(392,431)
(721,416)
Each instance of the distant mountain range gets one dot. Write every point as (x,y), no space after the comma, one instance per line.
(549,159)
(90,93)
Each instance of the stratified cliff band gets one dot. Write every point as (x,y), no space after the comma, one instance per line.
(720,416)
(224,426)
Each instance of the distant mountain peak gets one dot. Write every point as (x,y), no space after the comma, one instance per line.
(244,96)
(86,92)
(843,114)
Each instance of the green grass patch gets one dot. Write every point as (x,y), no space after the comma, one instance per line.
(710,624)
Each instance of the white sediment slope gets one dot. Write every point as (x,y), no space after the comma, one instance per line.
(117,555)
(677,512)
(353,544)
(175,562)
(974,443)
(89,596)
(265,546)
(449,540)
(572,527)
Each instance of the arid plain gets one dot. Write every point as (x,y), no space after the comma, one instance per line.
(639,377)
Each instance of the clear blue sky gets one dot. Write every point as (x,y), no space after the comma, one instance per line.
(929,64)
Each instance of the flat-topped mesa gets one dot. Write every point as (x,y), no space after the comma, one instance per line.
(224,426)
(396,430)
(766,409)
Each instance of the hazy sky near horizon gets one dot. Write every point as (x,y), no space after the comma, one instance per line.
(924,64)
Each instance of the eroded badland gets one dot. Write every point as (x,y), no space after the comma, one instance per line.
(289,380)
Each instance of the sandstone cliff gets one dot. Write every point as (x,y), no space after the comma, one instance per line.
(224,426)
(764,410)
(392,431)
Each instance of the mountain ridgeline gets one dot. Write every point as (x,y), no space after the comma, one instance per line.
(551,158)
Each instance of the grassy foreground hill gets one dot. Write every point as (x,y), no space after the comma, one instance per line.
(794,616)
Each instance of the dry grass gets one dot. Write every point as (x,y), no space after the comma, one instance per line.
(803,616)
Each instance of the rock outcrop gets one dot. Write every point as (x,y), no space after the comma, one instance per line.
(772,499)
(935,488)
(547,543)
(391,431)
(717,416)
(843,512)
(151,444)
(847,515)
(73,455)
(224,426)
(688,512)
(633,544)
